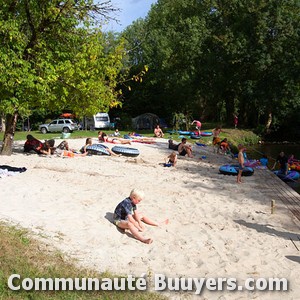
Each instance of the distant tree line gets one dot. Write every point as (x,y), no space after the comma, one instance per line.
(216,58)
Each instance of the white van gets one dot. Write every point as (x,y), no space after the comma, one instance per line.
(98,121)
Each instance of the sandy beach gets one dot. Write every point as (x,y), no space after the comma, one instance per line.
(217,228)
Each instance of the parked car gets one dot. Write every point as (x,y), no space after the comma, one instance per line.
(59,125)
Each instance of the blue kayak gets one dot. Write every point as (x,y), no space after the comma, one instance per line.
(291,175)
(206,133)
(184,132)
(234,169)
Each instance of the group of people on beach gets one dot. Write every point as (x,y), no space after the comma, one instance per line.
(63,149)
(126,215)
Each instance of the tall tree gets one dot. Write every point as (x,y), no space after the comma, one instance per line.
(52,56)
(219,57)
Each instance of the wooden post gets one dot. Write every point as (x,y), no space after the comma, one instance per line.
(272,206)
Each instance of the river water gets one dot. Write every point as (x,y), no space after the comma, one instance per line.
(272,151)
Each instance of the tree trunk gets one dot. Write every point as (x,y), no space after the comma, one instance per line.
(10,122)
(2,123)
(229,106)
(269,122)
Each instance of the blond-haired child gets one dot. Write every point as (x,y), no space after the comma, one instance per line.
(171,160)
(126,216)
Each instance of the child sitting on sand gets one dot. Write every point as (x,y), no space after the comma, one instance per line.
(117,133)
(126,216)
(171,160)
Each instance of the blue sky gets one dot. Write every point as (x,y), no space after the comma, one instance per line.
(130,11)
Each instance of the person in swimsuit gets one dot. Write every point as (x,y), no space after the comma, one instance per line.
(198,126)
(89,142)
(158,132)
(114,140)
(185,149)
(126,216)
(241,161)
(216,139)
(171,160)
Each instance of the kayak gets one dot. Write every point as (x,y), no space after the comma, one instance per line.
(291,175)
(234,169)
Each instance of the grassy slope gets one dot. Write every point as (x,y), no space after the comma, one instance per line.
(22,255)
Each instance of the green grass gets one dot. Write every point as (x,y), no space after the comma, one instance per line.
(234,136)
(20,254)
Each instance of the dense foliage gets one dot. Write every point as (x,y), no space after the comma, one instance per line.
(53,57)
(215,58)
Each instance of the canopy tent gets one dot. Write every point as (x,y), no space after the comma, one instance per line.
(145,121)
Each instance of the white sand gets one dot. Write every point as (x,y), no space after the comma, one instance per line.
(217,227)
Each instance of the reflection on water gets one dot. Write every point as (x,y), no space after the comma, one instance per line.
(272,151)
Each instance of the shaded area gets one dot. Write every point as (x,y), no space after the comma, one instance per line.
(268,229)
(294,258)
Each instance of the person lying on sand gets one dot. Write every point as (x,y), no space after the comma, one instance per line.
(89,142)
(114,140)
(135,137)
(33,144)
(126,216)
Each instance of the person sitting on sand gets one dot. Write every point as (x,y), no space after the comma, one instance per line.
(283,162)
(225,147)
(158,132)
(114,140)
(100,136)
(88,142)
(64,145)
(64,150)
(171,160)
(117,133)
(185,149)
(126,216)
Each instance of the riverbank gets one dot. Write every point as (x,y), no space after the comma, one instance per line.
(217,228)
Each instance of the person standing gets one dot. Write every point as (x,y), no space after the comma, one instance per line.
(198,126)
(216,139)
(241,161)
(235,121)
